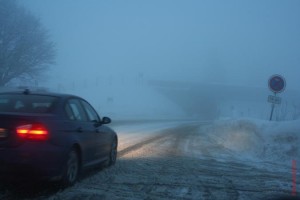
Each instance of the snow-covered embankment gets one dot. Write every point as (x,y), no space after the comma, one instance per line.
(259,141)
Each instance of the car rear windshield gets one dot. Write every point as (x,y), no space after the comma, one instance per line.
(21,103)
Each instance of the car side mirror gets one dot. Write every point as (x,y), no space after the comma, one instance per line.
(106,120)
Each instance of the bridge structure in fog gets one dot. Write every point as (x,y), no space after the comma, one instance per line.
(213,101)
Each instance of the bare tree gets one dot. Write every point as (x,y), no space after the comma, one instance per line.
(25,49)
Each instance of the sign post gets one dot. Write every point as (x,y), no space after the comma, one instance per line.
(276,85)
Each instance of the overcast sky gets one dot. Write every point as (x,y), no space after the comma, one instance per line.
(232,42)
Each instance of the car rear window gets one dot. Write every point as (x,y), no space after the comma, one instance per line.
(22,103)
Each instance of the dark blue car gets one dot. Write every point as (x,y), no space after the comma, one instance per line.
(53,135)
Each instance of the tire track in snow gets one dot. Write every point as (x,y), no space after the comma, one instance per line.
(177,145)
(170,132)
(141,144)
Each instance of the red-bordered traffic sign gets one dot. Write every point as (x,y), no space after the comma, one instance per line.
(277,83)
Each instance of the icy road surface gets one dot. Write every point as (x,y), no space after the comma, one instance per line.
(190,160)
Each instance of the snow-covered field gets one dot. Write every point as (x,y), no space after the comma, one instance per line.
(226,159)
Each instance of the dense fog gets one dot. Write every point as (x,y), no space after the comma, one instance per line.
(174,58)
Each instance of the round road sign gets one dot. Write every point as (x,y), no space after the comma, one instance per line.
(277,83)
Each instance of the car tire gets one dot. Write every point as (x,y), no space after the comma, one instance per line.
(113,153)
(71,169)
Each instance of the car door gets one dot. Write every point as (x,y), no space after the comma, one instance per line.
(102,138)
(83,129)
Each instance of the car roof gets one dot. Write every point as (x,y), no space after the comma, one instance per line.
(36,92)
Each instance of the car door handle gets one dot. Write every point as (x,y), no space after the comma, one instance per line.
(79,130)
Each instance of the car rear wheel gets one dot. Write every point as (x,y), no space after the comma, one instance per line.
(71,169)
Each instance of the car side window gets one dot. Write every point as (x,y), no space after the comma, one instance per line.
(75,111)
(91,113)
(69,112)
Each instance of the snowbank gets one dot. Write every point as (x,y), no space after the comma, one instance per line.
(258,140)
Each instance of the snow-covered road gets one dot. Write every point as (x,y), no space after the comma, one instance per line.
(187,160)
(183,161)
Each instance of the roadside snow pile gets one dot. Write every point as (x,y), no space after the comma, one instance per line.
(282,140)
(258,140)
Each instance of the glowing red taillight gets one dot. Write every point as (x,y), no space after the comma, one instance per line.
(32,131)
